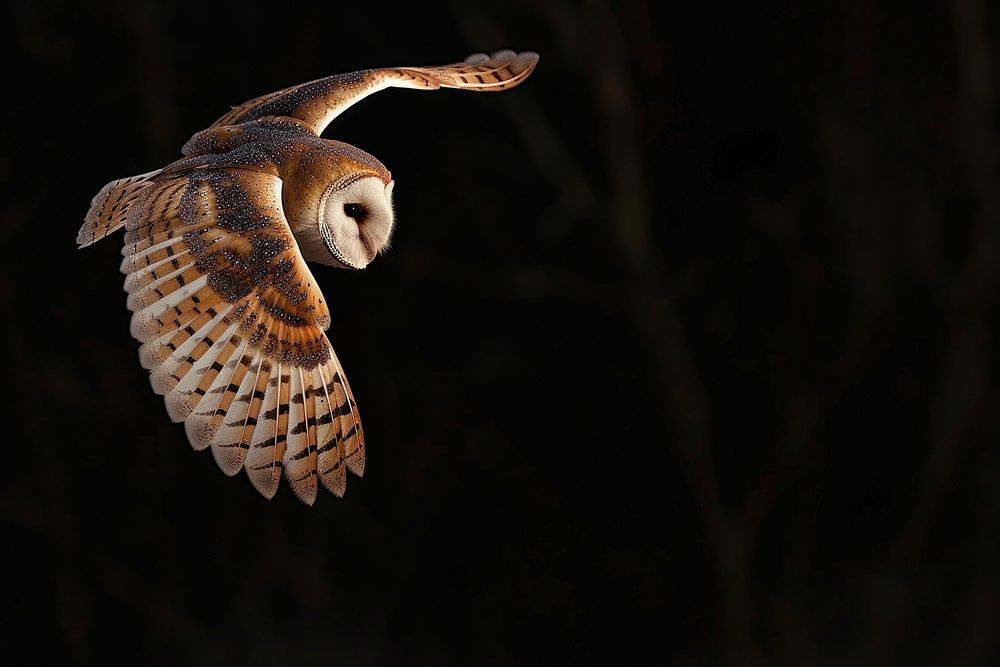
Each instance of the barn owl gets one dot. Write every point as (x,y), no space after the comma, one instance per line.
(230,319)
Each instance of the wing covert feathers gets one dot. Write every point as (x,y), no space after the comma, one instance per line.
(232,323)
(318,102)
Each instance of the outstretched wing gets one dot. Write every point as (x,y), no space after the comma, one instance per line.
(232,324)
(318,102)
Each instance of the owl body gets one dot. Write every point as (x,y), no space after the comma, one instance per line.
(311,169)
(230,319)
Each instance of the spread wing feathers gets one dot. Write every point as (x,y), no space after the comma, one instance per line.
(232,330)
(319,102)
(110,207)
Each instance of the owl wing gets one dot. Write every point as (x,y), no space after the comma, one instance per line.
(318,102)
(232,324)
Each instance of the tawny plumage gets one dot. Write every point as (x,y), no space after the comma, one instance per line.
(230,319)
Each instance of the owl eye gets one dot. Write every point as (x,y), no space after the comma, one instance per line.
(355,211)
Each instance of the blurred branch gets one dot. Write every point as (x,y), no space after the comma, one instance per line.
(623,190)
(962,388)
(732,535)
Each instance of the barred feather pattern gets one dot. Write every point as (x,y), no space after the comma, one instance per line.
(110,207)
(231,324)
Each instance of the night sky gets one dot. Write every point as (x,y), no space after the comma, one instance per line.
(686,350)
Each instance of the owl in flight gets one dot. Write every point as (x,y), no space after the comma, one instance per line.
(230,318)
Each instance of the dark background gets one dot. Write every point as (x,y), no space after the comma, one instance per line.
(685,352)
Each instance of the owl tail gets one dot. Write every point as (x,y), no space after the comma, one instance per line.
(109,208)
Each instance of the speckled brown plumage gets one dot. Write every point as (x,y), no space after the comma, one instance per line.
(230,319)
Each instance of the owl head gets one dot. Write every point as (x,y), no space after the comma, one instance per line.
(355,218)
(339,203)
